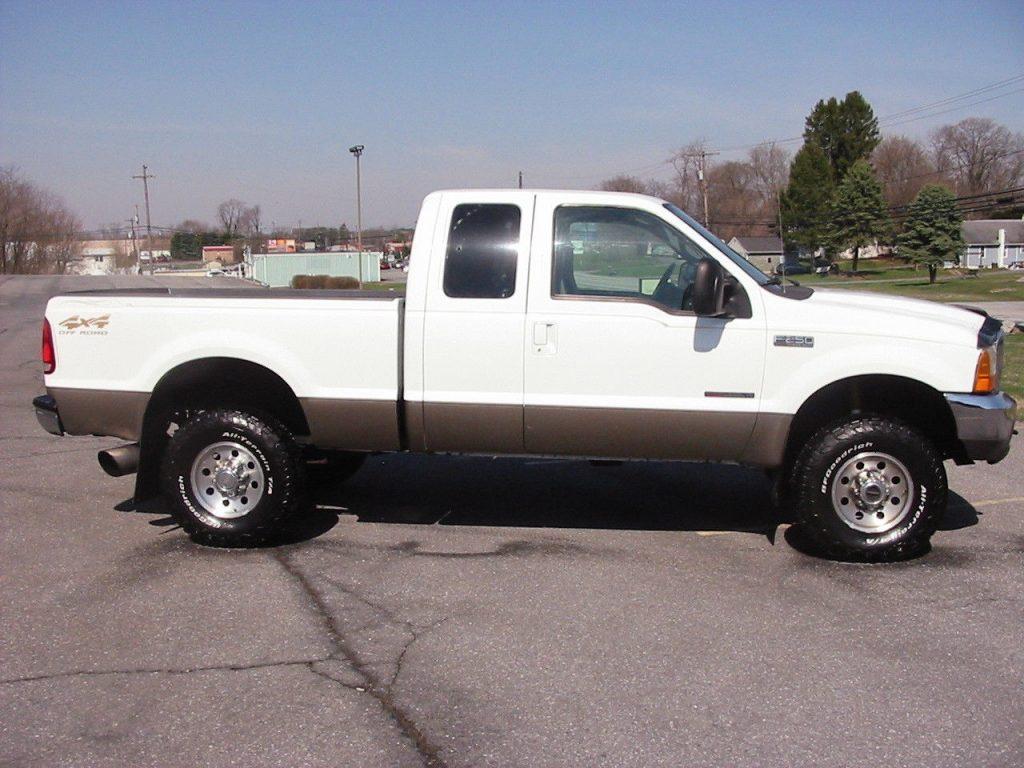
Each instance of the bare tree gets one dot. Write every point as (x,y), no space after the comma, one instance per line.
(193,226)
(252,220)
(62,241)
(903,167)
(37,231)
(17,205)
(230,213)
(625,183)
(979,155)
(769,171)
(685,190)
(735,203)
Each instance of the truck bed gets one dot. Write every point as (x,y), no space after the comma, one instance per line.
(248,293)
(338,351)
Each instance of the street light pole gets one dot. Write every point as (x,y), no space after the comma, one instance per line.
(357,150)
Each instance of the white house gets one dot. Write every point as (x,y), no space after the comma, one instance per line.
(765,253)
(993,242)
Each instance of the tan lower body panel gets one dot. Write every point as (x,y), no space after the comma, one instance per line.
(767,446)
(354,425)
(101,411)
(473,428)
(638,434)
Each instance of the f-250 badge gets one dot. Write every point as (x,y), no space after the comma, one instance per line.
(95,326)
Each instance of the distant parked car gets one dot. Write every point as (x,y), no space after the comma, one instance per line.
(215,272)
(792,268)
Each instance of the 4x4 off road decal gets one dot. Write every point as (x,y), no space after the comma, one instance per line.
(93,326)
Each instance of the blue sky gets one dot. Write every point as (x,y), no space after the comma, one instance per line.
(261,100)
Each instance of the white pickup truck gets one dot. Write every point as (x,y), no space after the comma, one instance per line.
(590,324)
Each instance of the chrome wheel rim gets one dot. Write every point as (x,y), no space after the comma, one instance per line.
(227,480)
(872,492)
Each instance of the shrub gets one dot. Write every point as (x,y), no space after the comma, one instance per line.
(324,281)
(345,282)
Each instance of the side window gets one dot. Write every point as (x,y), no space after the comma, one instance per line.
(622,253)
(483,247)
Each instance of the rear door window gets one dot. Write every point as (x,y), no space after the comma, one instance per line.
(483,248)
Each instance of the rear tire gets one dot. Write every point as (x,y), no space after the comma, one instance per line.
(232,478)
(869,488)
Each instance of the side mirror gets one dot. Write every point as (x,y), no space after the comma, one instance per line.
(709,288)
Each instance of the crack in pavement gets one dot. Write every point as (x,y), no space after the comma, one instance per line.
(373,685)
(164,670)
(414,631)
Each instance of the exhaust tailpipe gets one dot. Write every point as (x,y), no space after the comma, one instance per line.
(120,461)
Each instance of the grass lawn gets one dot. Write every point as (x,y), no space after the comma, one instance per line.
(989,285)
(870,269)
(1013,368)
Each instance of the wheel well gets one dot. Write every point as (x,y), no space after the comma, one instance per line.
(208,382)
(907,400)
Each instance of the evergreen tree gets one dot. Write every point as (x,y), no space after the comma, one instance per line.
(859,214)
(846,131)
(932,233)
(807,200)
(186,246)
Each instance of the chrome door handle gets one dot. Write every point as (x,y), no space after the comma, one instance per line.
(544,338)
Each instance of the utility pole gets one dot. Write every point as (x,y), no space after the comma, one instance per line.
(702,156)
(782,238)
(132,222)
(357,150)
(520,179)
(146,176)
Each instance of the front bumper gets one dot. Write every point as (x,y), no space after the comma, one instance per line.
(984,424)
(47,414)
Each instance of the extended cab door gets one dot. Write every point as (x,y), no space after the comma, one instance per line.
(473,323)
(617,363)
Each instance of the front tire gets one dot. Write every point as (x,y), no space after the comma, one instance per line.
(869,488)
(232,478)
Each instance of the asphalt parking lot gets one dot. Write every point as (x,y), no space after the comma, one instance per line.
(476,612)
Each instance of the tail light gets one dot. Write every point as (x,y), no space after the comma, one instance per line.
(48,354)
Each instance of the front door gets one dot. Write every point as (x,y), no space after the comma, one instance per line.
(617,363)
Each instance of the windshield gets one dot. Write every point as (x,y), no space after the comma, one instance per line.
(716,241)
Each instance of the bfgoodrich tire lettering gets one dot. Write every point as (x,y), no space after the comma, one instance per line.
(272,462)
(827,513)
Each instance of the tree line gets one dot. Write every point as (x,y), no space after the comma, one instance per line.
(38,233)
(846,187)
(240,224)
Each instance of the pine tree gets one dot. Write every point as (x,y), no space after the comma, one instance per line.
(932,233)
(859,214)
(846,131)
(807,200)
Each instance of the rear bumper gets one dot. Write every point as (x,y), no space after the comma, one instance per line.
(984,424)
(47,414)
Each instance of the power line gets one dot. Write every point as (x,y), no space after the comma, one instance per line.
(890,120)
(951,109)
(959,97)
